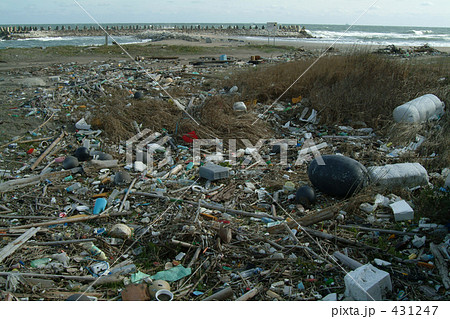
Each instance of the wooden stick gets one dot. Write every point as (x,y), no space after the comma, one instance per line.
(43,155)
(331,237)
(36,275)
(221,294)
(441,265)
(66,220)
(126,195)
(210,206)
(17,243)
(249,295)
(304,221)
(25,217)
(381,230)
(35,140)
(349,262)
(23,182)
(5,209)
(61,242)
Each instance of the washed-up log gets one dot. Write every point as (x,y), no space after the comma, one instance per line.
(5,209)
(43,155)
(209,206)
(36,275)
(73,219)
(221,295)
(17,243)
(25,217)
(349,262)
(94,165)
(380,230)
(23,182)
(441,265)
(308,220)
(331,237)
(62,242)
(249,295)
(114,278)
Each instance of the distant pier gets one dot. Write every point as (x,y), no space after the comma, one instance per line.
(15,32)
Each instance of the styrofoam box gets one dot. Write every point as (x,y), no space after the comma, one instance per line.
(402,211)
(367,283)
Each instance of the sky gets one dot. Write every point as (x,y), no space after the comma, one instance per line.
(431,13)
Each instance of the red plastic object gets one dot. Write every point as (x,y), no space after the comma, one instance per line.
(189,137)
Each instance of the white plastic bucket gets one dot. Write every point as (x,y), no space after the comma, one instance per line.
(420,109)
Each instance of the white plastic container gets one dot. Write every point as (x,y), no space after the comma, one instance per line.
(398,175)
(419,110)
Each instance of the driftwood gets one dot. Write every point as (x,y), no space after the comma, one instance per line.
(209,206)
(221,295)
(249,295)
(17,243)
(62,242)
(36,275)
(304,221)
(95,165)
(349,262)
(441,265)
(126,195)
(43,155)
(380,230)
(331,237)
(23,182)
(73,219)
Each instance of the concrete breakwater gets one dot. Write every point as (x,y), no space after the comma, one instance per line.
(23,32)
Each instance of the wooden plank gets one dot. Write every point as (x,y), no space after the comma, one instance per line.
(17,243)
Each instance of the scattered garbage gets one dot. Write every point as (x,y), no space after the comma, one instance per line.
(139,218)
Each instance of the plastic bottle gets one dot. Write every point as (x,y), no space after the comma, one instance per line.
(39,263)
(247,273)
(113,196)
(73,187)
(94,250)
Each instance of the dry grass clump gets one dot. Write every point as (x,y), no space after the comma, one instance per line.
(215,117)
(347,88)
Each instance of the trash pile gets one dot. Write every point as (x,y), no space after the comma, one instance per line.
(300,211)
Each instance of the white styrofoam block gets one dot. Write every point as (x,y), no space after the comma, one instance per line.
(402,211)
(367,283)
(399,175)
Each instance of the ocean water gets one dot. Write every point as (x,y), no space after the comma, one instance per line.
(359,35)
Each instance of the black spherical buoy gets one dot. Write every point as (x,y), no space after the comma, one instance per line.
(306,196)
(70,162)
(82,153)
(338,175)
(138,95)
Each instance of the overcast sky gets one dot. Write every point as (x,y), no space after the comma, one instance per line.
(384,12)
